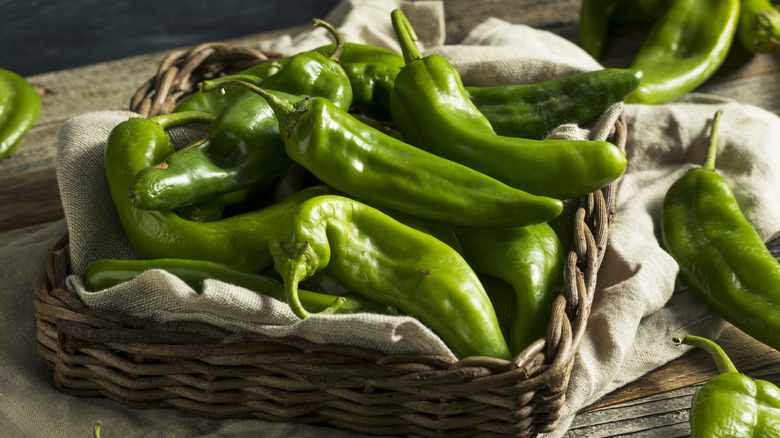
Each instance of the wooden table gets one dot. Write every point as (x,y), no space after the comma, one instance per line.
(655,405)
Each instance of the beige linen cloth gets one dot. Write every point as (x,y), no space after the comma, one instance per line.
(636,307)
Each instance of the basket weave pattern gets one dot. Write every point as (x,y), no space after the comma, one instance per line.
(211,372)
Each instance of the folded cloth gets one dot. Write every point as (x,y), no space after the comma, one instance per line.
(636,308)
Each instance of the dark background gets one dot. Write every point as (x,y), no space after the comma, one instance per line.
(40,36)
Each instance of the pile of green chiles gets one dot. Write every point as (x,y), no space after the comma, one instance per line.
(688,40)
(420,188)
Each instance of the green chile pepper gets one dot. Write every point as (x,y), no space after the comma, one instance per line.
(722,258)
(371,165)
(759,26)
(358,53)
(313,74)
(531,259)
(732,404)
(597,17)
(368,77)
(390,263)
(240,241)
(533,110)
(684,48)
(433,111)
(594,23)
(242,149)
(372,83)
(105,273)
(20,106)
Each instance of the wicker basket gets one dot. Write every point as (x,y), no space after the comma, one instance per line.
(214,373)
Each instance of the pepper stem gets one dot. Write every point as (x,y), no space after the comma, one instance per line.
(406,36)
(722,361)
(286,113)
(213,84)
(336,55)
(183,118)
(293,272)
(712,151)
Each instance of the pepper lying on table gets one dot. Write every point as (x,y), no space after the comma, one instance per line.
(20,106)
(722,258)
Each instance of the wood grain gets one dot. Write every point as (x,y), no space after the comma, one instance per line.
(695,368)
(40,204)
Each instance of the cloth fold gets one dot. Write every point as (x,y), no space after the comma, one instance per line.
(637,306)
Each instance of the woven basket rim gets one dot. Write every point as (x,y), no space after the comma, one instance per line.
(67,328)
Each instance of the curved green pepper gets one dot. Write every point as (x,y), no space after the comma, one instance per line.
(684,48)
(390,263)
(759,26)
(20,106)
(732,404)
(433,111)
(722,258)
(242,149)
(370,165)
(533,110)
(594,23)
(105,273)
(531,259)
(240,241)
(597,17)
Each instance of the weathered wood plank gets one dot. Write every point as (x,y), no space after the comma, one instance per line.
(658,415)
(39,204)
(695,368)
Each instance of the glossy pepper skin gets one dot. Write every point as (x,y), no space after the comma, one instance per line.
(684,48)
(594,24)
(20,107)
(721,257)
(732,404)
(367,66)
(370,165)
(240,241)
(105,273)
(433,111)
(759,26)
(242,149)
(390,263)
(214,208)
(531,259)
(533,110)
(598,17)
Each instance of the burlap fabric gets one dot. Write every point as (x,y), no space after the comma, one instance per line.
(635,311)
